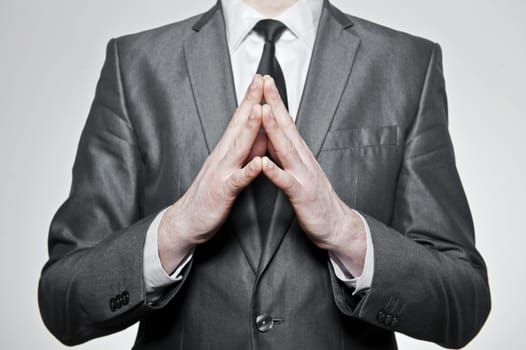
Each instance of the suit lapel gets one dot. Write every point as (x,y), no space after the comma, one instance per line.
(210,72)
(332,59)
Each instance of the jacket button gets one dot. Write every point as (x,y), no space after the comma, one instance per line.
(381,316)
(125,298)
(395,321)
(264,323)
(113,307)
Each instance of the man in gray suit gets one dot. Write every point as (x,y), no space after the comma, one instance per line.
(324,212)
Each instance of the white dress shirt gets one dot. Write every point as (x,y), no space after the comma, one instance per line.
(293,52)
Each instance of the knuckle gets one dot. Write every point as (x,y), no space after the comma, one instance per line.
(248,172)
(235,183)
(250,124)
(249,95)
(270,122)
(289,184)
(235,148)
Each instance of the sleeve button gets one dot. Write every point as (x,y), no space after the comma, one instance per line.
(388,320)
(381,316)
(125,298)
(113,307)
(118,301)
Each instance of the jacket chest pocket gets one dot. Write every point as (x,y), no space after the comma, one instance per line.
(362,137)
(363,164)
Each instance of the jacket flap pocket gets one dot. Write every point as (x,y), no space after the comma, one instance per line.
(362,137)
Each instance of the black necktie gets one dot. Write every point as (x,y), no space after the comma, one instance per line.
(264,191)
(271,30)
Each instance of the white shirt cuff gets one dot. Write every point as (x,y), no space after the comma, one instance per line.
(363,282)
(155,278)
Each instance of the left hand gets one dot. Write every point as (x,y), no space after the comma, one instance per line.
(324,217)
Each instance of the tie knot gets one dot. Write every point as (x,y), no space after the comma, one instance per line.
(270,29)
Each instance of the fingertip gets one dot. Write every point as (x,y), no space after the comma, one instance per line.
(270,89)
(254,167)
(255,162)
(256,82)
(267,163)
(267,82)
(267,78)
(255,89)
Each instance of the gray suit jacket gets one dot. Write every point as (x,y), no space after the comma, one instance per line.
(374,113)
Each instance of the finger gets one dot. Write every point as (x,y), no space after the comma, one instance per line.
(241,178)
(283,147)
(273,99)
(259,148)
(272,153)
(242,143)
(252,97)
(279,177)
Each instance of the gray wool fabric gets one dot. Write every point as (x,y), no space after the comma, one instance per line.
(373,112)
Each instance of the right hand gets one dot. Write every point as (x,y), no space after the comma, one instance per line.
(231,166)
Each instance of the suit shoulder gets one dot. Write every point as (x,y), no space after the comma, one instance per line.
(390,41)
(156,39)
(384,33)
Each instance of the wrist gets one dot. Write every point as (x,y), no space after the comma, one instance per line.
(173,244)
(349,242)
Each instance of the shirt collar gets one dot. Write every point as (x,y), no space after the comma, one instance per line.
(301,19)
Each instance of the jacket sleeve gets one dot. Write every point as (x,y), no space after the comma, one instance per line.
(429,280)
(93,284)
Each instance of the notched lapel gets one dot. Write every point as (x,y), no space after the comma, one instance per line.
(210,72)
(331,63)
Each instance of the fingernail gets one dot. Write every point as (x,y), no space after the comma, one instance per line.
(273,86)
(254,83)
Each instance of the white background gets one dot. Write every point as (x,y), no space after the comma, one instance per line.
(51,53)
